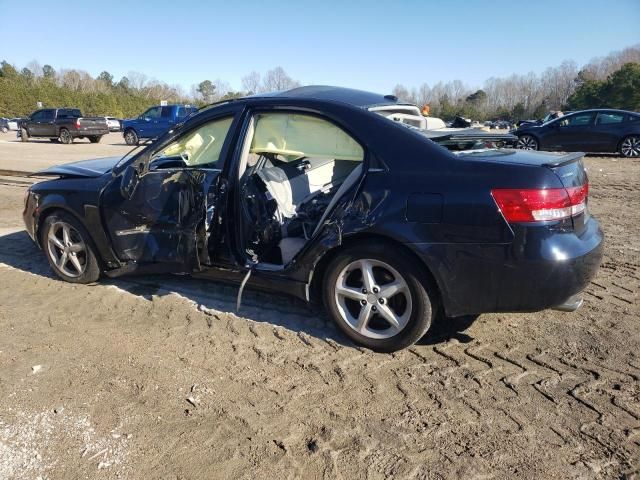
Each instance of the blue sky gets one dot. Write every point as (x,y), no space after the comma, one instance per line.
(371,45)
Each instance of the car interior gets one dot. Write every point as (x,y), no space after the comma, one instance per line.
(293,170)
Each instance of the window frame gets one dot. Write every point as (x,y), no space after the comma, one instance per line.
(286,109)
(145,114)
(224,150)
(610,114)
(576,115)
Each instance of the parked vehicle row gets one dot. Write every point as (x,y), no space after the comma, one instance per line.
(598,130)
(310,192)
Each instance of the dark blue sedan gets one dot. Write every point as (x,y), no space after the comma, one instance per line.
(603,130)
(310,193)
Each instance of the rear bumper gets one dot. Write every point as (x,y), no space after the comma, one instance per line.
(541,269)
(89,132)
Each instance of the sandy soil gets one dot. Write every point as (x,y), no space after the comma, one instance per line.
(152,377)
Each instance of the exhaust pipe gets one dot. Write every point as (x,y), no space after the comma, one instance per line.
(571,304)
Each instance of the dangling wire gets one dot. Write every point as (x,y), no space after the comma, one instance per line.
(244,282)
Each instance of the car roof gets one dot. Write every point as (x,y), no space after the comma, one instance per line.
(358,98)
(602,110)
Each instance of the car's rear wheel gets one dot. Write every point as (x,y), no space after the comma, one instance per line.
(95,139)
(54,140)
(65,136)
(378,297)
(131,137)
(630,146)
(69,249)
(24,135)
(527,142)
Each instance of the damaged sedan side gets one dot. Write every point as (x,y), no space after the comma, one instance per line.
(310,193)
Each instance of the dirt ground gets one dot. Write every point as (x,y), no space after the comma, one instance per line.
(154,377)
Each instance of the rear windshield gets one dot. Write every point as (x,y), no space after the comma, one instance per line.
(69,113)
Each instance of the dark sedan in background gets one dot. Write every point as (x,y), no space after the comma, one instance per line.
(602,130)
(309,192)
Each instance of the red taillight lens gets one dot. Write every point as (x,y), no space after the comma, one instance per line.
(539,205)
(77,123)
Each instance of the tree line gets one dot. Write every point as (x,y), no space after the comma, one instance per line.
(103,95)
(611,81)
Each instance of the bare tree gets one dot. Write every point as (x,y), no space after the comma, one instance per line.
(137,80)
(277,79)
(251,82)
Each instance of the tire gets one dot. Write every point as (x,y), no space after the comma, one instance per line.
(131,137)
(527,142)
(5,129)
(95,139)
(361,311)
(75,243)
(54,140)
(24,135)
(630,146)
(65,136)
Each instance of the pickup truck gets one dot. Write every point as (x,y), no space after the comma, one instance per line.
(154,122)
(62,124)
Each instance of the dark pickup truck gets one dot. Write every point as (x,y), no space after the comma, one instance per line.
(63,125)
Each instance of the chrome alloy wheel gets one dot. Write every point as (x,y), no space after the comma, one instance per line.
(373,298)
(630,147)
(67,249)
(527,142)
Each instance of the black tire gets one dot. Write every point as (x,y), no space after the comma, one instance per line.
(54,140)
(78,234)
(630,146)
(528,142)
(131,137)
(65,136)
(421,301)
(95,139)
(24,136)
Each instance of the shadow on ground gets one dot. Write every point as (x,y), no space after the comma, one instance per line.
(18,251)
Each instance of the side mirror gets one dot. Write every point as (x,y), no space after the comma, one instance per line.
(129,182)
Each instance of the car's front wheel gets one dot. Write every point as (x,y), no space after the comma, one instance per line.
(5,129)
(131,137)
(65,136)
(69,249)
(630,146)
(378,297)
(527,142)
(24,135)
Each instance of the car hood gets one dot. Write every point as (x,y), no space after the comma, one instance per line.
(84,169)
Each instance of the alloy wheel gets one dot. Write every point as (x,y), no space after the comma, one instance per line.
(67,249)
(373,298)
(630,147)
(527,142)
(65,137)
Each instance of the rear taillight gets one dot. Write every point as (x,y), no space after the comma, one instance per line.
(77,123)
(539,205)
